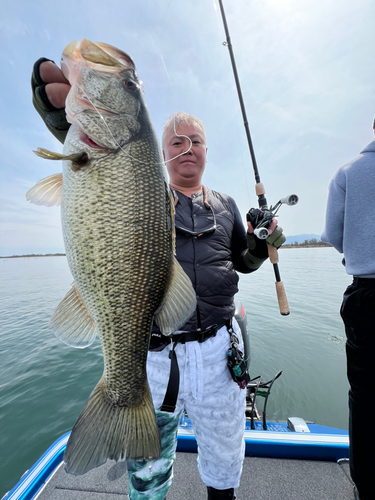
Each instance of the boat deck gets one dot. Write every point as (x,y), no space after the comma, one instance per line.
(262,479)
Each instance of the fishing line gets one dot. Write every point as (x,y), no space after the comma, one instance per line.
(165,68)
(119,145)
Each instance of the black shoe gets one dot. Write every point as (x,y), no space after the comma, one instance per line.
(220,494)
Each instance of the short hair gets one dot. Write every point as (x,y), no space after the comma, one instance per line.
(181,118)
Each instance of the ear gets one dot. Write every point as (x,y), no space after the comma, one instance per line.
(163,155)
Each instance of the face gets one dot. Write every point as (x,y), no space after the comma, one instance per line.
(185,170)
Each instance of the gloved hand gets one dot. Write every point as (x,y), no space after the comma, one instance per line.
(276,238)
(253,217)
(49,94)
(275,233)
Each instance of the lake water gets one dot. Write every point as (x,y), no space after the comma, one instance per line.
(44,383)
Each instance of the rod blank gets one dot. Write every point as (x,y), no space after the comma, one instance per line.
(259,189)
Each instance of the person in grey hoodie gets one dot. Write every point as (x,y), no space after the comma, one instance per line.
(349,227)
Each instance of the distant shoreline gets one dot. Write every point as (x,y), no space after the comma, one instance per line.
(302,245)
(33,255)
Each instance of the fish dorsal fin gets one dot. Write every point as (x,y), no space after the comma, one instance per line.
(47,191)
(71,322)
(179,301)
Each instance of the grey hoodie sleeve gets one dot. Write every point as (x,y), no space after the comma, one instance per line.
(334,227)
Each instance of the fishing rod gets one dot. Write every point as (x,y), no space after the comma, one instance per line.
(260,230)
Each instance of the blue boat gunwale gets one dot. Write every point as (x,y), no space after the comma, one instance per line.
(321,443)
(326,446)
(35,478)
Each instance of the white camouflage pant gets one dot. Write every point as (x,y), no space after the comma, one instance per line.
(216,407)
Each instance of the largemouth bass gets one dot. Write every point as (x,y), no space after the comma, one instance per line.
(118,227)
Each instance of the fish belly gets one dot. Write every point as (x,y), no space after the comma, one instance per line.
(117,231)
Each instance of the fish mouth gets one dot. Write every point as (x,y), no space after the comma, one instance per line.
(86,139)
(96,53)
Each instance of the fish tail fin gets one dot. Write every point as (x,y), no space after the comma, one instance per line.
(105,430)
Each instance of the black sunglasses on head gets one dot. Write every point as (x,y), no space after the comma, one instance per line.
(197,234)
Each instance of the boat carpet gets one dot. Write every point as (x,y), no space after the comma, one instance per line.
(262,479)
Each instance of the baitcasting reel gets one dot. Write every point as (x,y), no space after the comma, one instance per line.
(260,220)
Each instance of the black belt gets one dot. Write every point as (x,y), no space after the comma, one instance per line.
(158,343)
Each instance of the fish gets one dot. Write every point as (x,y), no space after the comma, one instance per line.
(117,217)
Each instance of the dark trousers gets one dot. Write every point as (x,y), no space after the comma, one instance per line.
(358,314)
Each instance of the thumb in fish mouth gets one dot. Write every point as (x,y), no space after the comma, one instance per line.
(78,160)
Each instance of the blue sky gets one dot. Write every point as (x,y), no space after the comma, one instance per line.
(307,74)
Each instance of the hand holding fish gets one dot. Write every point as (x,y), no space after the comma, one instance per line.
(50,90)
(57,87)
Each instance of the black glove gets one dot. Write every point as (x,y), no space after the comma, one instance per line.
(254,216)
(277,238)
(54,118)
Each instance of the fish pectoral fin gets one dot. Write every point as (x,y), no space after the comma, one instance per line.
(71,322)
(47,191)
(50,155)
(179,301)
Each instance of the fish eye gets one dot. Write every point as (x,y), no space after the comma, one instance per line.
(130,85)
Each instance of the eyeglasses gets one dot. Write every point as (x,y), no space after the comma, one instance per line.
(197,234)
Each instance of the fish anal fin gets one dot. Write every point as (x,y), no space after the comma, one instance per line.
(47,191)
(106,430)
(71,322)
(179,302)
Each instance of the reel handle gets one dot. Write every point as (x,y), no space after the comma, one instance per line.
(290,200)
(261,233)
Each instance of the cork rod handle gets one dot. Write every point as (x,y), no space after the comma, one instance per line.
(280,291)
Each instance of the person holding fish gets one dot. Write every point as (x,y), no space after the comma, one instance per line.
(190,336)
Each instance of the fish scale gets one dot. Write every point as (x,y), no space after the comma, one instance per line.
(118,226)
(141,252)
